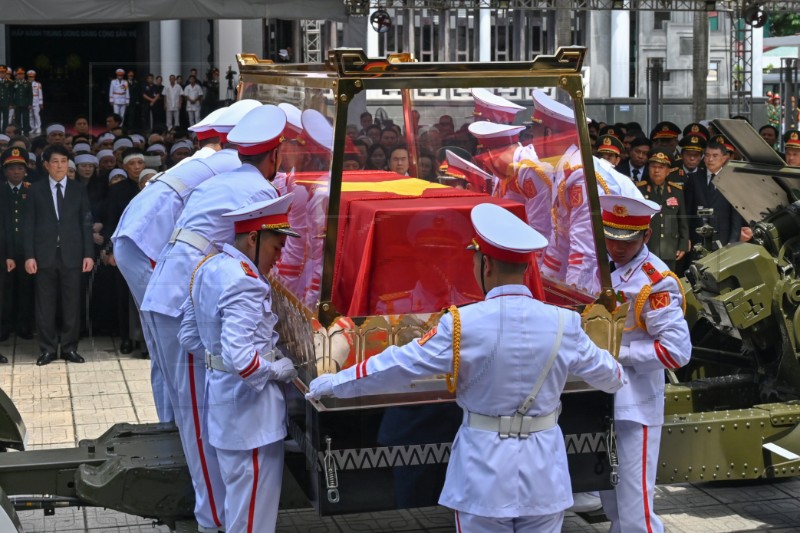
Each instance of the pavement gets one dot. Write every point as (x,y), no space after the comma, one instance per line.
(62,403)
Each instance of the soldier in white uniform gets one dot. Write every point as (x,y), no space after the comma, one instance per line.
(508,466)
(145,227)
(656,338)
(520,174)
(229,312)
(199,230)
(494,108)
(38,103)
(118,93)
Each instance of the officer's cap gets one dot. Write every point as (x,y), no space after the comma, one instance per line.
(693,142)
(696,129)
(234,113)
(660,157)
(259,131)
(86,158)
(120,71)
(15,155)
(102,154)
(20,71)
(460,168)
(665,130)
(116,172)
(624,218)
(206,128)
(294,121)
(491,135)
(792,139)
(31,73)
(81,147)
(721,139)
(56,128)
(551,113)
(611,130)
(272,214)
(609,144)
(122,142)
(489,106)
(502,235)
(317,133)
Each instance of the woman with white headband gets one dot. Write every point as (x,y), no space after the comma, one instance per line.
(119,196)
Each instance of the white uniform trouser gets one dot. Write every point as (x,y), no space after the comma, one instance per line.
(173,118)
(137,270)
(36,119)
(253,487)
(194,116)
(119,109)
(630,505)
(185,377)
(470,523)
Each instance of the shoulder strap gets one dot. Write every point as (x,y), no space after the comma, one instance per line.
(523,408)
(173,182)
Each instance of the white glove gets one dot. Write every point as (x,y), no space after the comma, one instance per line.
(319,387)
(282,370)
(624,353)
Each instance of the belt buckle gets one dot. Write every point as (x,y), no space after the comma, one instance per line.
(505,427)
(208,362)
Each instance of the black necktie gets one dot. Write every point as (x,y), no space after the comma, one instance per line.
(59,200)
(710,179)
(15,191)
(635,174)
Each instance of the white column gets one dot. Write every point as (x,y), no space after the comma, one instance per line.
(170,49)
(484,35)
(620,53)
(227,43)
(758,57)
(372,39)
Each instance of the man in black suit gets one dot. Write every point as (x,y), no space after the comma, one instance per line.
(635,167)
(58,247)
(701,192)
(18,302)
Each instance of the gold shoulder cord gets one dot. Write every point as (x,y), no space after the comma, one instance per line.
(191,281)
(644,294)
(452,379)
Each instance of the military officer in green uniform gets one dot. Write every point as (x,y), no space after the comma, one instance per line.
(692,148)
(670,227)
(22,100)
(17,304)
(5,97)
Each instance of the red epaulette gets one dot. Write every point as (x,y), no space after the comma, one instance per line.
(248,271)
(651,272)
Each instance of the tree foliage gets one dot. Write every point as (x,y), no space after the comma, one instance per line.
(781,24)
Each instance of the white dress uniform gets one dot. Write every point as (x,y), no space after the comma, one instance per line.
(198,231)
(36,107)
(119,94)
(571,256)
(193,108)
(229,313)
(143,231)
(656,338)
(515,356)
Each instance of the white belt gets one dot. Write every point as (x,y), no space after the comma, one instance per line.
(173,183)
(517,425)
(192,239)
(216,362)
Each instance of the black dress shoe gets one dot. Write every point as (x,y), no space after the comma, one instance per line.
(25,334)
(3,359)
(45,359)
(126,347)
(73,357)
